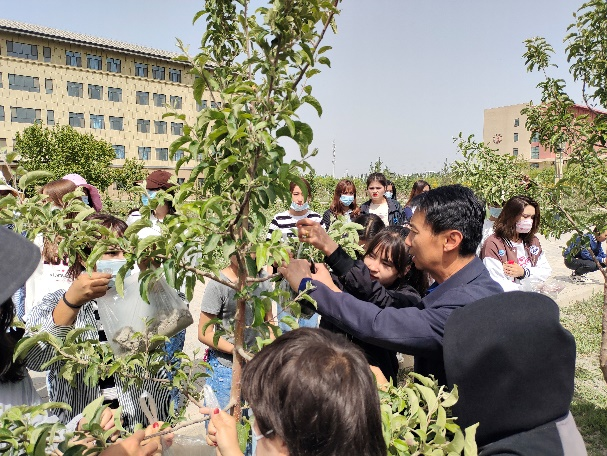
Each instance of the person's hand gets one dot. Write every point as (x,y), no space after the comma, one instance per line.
(133,446)
(156,441)
(88,286)
(295,271)
(107,422)
(222,432)
(313,233)
(513,270)
(323,275)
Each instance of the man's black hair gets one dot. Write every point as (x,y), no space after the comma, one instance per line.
(454,207)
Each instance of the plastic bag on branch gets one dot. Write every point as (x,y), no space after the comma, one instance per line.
(123,317)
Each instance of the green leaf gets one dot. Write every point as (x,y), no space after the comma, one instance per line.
(314,103)
(32,177)
(136,226)
(324,61)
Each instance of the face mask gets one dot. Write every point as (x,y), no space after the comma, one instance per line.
(111,267)
(145,198)
(85,200)
(388,195)
(524,226)
(299,207)
(495,211)
(346,200)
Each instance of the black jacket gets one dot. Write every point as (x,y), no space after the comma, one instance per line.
(352,276)
(395,212)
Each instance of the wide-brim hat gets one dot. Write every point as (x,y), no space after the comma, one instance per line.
(158,179)
(20,258)
(6,187)
(94,196)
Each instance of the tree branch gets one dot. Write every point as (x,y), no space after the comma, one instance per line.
(320,37)
(246,356)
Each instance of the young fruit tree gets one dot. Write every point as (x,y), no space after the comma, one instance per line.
(256,67)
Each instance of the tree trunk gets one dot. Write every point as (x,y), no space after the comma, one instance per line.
(238,361)
(603,355)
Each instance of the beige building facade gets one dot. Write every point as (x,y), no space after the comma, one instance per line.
(504,131)
(114,90)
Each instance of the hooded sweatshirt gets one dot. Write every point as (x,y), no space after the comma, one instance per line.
(514,366)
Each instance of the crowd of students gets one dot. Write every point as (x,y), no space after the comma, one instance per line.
(419,271)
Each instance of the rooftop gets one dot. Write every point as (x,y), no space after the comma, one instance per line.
(88,40)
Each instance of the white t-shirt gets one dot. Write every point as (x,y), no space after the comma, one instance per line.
(381,210)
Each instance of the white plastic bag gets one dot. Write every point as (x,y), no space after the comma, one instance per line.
(122,317)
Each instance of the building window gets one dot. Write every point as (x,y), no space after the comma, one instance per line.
(535,137)
(113,65)
(515,152)
(158,72)
(200,182)
(160,127)
(50,117)
(119,151)
(97,122)
(176,102)
(177,128)
(46,53)
(178,155)
(144,153)
(535,152)
(77,119)
(114,94)
(141,69)
(534,165)
(143,126)
(21,50)
(73,58)
(213,105)
(26,83)
(48,85)
(74,89)
(95,92)
(142,98)
(174,75)
(2,143)
(162,153)
(116,123)
(202,105)
(1,80)
(160,99)
(25,115)
(93,62)
(180,180)
(516,137)
(1,113)
(516,122)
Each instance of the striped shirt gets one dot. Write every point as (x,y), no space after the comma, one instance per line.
(81,395)
(285,222)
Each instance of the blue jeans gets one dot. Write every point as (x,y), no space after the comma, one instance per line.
(220,382)
(311,322)
(174,345)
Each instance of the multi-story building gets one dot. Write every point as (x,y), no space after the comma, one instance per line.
(504,131)
(114,90)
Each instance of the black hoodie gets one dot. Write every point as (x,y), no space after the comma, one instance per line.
(514,366)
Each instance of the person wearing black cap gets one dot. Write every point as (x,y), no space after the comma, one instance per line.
(514,367)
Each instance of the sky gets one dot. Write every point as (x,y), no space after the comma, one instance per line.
(406,76)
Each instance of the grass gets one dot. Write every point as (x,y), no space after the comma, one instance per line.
(589,406)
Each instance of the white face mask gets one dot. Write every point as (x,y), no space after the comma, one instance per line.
(299,207)
(523,226)
(111,267)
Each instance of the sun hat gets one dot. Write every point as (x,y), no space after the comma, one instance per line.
(158,179)
(94,197)
(20,258)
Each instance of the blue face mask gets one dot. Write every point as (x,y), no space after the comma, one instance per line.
(145,198)
(85,200)
(495,211)
(388,195)
(299,207)
(346,200)
(111,267)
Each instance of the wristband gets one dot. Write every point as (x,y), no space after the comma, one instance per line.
(69,304)
(303,284)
